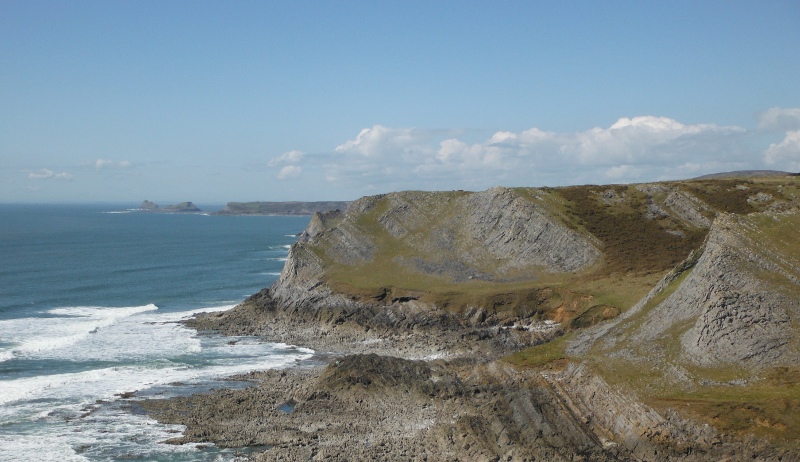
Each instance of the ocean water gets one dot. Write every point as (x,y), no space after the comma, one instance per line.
(90,299)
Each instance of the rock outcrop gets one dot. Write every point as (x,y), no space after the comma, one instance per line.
(371,407)
(181,207)
(147,205)
(737,305)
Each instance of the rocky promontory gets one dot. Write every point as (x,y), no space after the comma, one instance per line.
(621,322)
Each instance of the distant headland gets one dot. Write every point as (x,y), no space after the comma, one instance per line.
(281,208)
(252,208)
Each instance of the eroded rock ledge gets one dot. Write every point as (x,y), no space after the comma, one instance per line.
(371,407)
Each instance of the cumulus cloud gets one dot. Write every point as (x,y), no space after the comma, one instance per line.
(290,157)
(380,142)
(290,172)
(635,149)
(46,174)
(632,149)
(780,119)
(785,154)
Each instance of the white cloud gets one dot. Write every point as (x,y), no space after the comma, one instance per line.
(780,119)
(645,148)
(629,143)
(290,172)
(380,141)
(785,154)
(100,164)
(45,174)
(290,157)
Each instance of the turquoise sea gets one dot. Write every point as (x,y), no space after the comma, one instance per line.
(90,296)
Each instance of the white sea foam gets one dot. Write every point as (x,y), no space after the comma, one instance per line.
(94,437)
(46,336)
(138,348)
(85,387)
(150,349)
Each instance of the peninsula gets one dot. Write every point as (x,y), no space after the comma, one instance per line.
(650,322)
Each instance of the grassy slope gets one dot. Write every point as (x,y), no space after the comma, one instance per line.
(730,398)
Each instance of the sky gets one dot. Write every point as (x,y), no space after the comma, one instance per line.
(210,101)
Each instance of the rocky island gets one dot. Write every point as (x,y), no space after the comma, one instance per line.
(183,207)
(622,322)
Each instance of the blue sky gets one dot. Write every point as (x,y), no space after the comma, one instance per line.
(238,101)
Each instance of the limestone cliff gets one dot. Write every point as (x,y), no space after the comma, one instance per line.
(737,305)
(496,235)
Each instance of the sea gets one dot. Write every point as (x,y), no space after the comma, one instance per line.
(91,299)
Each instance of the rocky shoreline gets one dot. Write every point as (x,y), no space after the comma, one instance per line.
(427,395)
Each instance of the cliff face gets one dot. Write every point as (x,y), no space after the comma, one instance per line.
(742,297)
(737,305)
(496,235)
(457,235)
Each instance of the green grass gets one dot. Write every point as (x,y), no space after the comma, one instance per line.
(541,355)
(767,408)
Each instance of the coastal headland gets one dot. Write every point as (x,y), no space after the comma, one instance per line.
(281,208)
(621,322)
(251,208)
